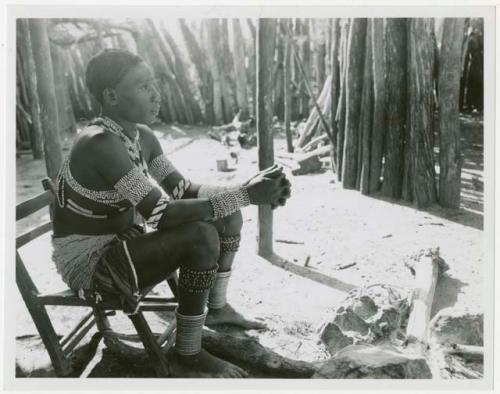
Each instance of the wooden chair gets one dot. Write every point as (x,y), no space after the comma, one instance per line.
(60,350)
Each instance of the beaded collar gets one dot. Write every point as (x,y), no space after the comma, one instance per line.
(107,197)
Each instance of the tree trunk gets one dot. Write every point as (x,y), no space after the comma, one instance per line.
(421,119)
(354,84)
(334,92)
(450,153)
(213,45)
(287,85)
(239,63)
(47,96)
(227,77)
(265,49)
(36,125)
(395,101)
(200,61)
(379,127)
(366,114)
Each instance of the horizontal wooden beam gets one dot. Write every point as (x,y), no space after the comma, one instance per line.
(34,204)
(28,236)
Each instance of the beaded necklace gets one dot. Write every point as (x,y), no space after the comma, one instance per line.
(107,197)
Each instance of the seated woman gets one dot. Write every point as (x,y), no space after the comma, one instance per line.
(115,177)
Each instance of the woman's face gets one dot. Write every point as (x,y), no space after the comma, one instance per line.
(137,95)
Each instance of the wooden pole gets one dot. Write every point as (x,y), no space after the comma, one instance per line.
(356,51)
(266,31)
(396,85)
(421,115)
(305,55)
(378,129)
(340,117)
(450,155)
(366,116)
(47,96)
(335,90)
(213,45)
(227,78)
(253,66)
(36,125)
(200,61)
(287,85)
(239,63)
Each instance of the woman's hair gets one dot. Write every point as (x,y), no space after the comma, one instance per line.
(107,68)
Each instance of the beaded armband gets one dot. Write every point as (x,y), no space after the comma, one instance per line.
(227,203)
(160,167)
(134,186)
(158,211)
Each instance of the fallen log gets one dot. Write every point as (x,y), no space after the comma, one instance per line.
(304,163)
(244,351)
(467,352)
(313,143)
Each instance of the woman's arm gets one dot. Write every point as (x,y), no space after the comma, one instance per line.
(112,162)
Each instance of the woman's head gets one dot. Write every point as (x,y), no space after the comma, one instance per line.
(124,85)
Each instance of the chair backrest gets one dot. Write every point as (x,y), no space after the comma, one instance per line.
(28,207)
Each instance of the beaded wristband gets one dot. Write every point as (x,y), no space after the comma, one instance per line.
(227,203)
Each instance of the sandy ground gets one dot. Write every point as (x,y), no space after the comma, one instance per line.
(332,227)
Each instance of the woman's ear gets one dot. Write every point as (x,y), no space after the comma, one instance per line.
(109,96)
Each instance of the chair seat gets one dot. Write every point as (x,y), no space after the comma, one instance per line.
(70,297)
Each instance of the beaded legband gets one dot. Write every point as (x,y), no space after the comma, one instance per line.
(189,331)
(180,189)
(196,281)
(217,296)
(230,244)
(160,167)
(227,203)
(207,191)
(134,186)
(158,211)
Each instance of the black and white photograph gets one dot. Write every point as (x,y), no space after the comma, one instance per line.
(230,195)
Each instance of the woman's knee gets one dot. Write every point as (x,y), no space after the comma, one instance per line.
(202,243)
(232,224)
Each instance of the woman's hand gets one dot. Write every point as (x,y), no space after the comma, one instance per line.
(269,186)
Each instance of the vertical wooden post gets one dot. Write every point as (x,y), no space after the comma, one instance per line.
(37,134)
(287,82)
(340,117)
(334,92)
(450,161)
(47,96)
(355,57)
(396,85)
(421,119)
(266,31)
(305,55)
(212,30)
(239,63)
(366,115)
(378,129)
(227,68)
(253,65)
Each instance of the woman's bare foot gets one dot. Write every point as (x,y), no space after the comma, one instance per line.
(202,365)
(227,315)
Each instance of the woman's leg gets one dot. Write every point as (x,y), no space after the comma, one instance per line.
(194,249)
(220,311)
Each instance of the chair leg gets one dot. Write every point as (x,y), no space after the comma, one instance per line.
(28,290)
(173,283)
(151,346)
